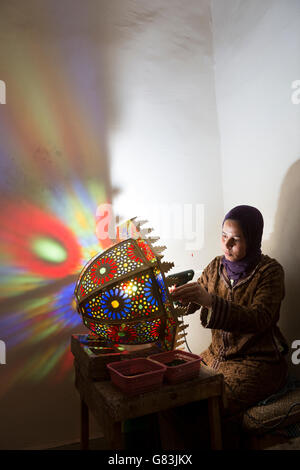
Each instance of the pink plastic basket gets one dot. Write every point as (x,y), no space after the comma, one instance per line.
(135,376)
(187,370)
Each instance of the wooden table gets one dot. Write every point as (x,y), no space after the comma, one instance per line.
(111,407)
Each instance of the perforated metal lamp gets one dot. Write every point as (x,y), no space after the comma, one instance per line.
(123,296)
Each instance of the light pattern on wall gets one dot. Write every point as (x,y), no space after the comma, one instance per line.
(52,179)
(41,258)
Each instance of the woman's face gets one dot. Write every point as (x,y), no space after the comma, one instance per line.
(233,241)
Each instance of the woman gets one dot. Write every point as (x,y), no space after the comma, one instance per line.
(239,296)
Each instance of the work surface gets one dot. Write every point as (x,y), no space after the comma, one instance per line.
(120,407)
(111,407)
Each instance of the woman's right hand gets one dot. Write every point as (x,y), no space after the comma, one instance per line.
(192,292)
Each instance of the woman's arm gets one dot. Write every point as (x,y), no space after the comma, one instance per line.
(218,313)
(194,294)
(262,313)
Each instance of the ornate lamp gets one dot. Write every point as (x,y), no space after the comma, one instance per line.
(123,294)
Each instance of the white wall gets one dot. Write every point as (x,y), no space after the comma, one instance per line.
(164,141)
(257,58)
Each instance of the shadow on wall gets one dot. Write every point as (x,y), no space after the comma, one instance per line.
(284,246)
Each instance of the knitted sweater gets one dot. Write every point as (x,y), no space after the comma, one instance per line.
(243,317)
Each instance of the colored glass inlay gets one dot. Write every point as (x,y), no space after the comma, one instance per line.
(161,284)
(138,333)
(112,264)
(131,299)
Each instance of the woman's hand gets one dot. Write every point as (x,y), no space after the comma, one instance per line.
(192,292)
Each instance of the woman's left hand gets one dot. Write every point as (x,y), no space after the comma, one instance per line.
(192,292)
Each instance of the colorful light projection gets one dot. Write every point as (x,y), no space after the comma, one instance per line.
(37,336)
(123,296)
(39,247)
(41,259)
(53,176)
(50,192)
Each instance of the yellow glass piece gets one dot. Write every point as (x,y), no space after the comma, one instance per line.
(115,304)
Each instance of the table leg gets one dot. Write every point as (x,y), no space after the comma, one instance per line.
(84,426)
(215,423)
(113,433)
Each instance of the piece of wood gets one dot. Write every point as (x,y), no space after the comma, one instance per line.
(214,423)
(113,433)
(84,428)
(93,364)
(111,406)
(121,407)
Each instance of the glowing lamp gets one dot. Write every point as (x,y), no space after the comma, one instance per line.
(123,296)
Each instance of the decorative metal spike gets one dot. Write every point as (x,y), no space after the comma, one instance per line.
(182,327)
(181,336)
(159,249)
(180,342)
(143,231)
(139,223)
(171,281)
(166,266)
(152,239)
(181,311)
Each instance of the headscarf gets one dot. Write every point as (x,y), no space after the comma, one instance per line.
(252,223)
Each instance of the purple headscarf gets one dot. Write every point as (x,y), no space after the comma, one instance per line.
(252,223)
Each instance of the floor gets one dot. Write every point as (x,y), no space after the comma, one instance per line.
(94,444)
(292,444)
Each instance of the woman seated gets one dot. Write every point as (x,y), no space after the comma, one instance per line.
(239,295)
